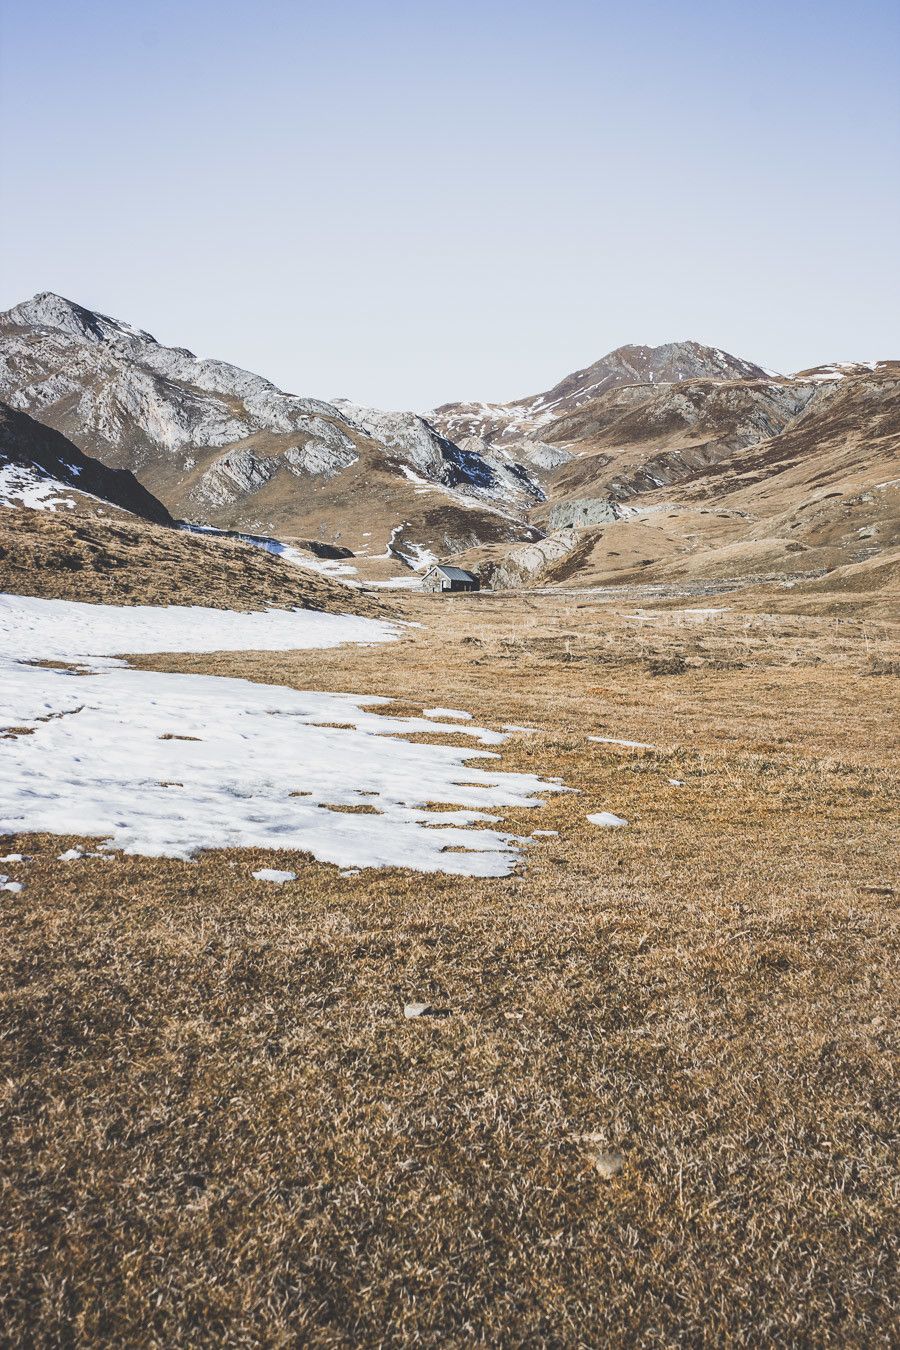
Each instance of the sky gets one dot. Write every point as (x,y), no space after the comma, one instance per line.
(411,203)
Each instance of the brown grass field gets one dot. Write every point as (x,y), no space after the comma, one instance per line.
(113,558)
(660,1108)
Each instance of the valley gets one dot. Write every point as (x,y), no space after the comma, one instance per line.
(515,966)
(678,463)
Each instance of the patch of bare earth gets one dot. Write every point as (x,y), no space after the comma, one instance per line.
(661,1108)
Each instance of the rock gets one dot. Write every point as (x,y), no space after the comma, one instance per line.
(424,1010)
(609,1162)
(582,512)
(523,564)
(609,1165)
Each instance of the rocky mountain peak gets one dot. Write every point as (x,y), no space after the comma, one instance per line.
(521,425)
(670,363)
(49,310)
(225,446)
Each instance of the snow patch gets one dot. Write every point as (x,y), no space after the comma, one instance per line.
(252,765)
(632,745)
(20,486)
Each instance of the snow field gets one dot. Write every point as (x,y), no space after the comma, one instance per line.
(168,764)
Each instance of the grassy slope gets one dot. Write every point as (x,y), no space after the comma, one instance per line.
(221,1128)
(118,559)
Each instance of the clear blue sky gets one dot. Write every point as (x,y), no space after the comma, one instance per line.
(407,203)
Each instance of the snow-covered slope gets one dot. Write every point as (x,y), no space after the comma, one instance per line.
(41,469)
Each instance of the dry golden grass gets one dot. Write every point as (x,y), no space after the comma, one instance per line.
(117,559)
(221,1129)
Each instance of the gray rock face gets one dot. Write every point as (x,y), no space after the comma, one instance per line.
(472,469)
(116,384)
(523,564)
(155,409)
(582,512)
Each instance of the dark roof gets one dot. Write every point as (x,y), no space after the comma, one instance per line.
(453,573)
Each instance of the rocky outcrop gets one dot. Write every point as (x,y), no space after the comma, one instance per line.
(583,511)
(522,565)
(471,467)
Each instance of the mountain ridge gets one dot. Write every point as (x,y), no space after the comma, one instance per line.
(226,447)
(638,431)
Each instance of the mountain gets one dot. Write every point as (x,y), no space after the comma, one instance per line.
(73,529)
(40,468)
(518,427)
(686,484)
(680,461)
(683,464)
(222,446)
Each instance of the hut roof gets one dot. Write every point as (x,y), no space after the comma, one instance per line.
(453,573)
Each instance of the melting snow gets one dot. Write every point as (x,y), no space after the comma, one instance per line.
(300,557)
(632,745)
(416,556)
(606,818)
(109,756)
(274,874)
(21,486)
(67,630)
(451,713)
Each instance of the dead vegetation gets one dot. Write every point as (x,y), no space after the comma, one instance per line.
(113,558)
(659,1106)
